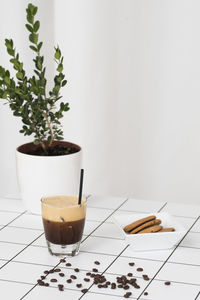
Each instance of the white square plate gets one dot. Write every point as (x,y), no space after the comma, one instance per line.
(151,241)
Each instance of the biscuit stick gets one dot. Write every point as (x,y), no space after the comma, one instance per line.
(137,223)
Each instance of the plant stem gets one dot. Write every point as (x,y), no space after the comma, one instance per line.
(50,129)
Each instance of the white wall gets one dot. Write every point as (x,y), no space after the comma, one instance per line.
(133,70)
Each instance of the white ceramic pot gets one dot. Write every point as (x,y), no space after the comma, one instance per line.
(41,176)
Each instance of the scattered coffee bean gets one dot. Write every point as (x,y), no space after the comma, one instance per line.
(46,272)
(113,285)
(145,293)
(88,273)
(53,280)
(76,270)
(126,287)
(129,274)
(51,271)
(79,285)
(84,291)
(61,274)
(131,264)
(145,277)
(69,281)
(120,286)
(42,277)
(57,270)
(108,282)
(86,279)
(68,265)
(73,277)
(92,275)
(46,284)
(97,262)
(61,287)
(62,260)
(167,282)
(95,270)
(127,295)
(40,282)
(139,269)
(100,286)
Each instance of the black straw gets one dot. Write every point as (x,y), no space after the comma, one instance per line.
(80,187)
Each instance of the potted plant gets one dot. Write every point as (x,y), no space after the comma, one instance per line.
(47,165)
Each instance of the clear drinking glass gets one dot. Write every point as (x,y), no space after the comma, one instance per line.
(63,220)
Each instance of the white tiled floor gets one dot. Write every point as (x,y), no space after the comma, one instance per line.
(24,255)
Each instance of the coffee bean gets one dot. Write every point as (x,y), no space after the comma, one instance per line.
(99,286)
(92,275)
(51,271)
(97,262)
(46,284)
(95,270)
(84,291)
(57,270)
(53,280)
(139,269)
(126,287)
(129,274)
(120,286)
(68,265)
(86,279)
(79,285)
(88,273)
(76,270)
(61,274)
(127,295)
(61,287)
(42,277)
(69,281)
(131,264)
(113,285)
(108,282)
(145,293)
(62,260)
(46,272)
(40,282)
(145,277)
(167,282)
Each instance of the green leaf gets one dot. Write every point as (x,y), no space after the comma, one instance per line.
(40,46)
(11,52)
(33,38)
(64,82)
(29,27)
(7,80)
(9,43)
(19,75)
(60,68)
(33,48)
(57,54)
(29,18)
(36,26)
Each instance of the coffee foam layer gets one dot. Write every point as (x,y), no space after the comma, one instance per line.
(63,208)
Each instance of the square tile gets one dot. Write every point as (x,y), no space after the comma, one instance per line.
(119,292)
(92,295)
(2,262)
(40,242)
(8,250)
(97,214)
(40,293)
(103,245)
(183,210)
(7,217)
(18,235)
(157,290)
(13,290)
(15,205)
(186,222)
(22,272)
(108,230)
(119,212)
(37,255)
(90,226)
(121,266)
(139,205)
(192,239)
(186,256)
(29,221)
(105,201)
(179,273)
(160,255)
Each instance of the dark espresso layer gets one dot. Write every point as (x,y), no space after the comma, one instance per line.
(63,233)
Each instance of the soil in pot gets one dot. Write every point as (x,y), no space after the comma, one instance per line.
(57,148)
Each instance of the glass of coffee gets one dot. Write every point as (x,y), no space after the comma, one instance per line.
(63,220)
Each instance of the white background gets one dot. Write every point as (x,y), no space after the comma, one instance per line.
(133,70)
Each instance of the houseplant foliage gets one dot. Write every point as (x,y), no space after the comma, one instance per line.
(27,96)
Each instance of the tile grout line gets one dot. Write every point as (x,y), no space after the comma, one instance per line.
(106,268)
(197,296)
(104,221)
(162,207)
(167,259)
(20,214)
